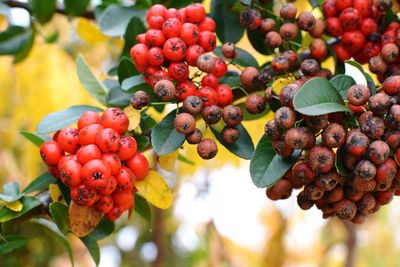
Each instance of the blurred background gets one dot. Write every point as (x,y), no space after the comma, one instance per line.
(219,218)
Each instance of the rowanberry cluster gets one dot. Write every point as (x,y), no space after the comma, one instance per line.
(357,22)
(176,40)
(369,152)
(97,161)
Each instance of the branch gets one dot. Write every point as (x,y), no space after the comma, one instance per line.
(351,244)
(12,3)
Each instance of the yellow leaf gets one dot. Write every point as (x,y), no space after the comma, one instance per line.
(134,117)
(155,190)
(167,162)
(280,83)
(55,193)
(15,205)
(89,32)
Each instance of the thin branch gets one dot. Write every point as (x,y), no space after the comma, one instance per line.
(11,3)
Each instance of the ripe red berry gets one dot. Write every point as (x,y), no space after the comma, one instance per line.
(141,38)
(353,41)
(333,27)
(138,165)
(138,54)
(208,95)
(207,24)
(350,19)
(179,71)
(156,22)
(185,89)
(207,40)
(318,49)
(125,179)
(51,152)
(95,174)
(159,75)
(105,204)
(114,213)
(108,140)
(112,161)
(225,95)
(155,10)
(83,195)
(155,56)
(368,26)
(123,199)
(195,13)
(329,8)
(68,140)
(87,153)
(171,28)
(210,80)
(192,54)
(171,13)
(127,148)
(70,173)
(363,6)
(343,4)
(109,188)
(154,38)
(391,85)
(189,33)
(341,53)
(87,135)
(88,118)
(116,119)
(174,49)
(220,68)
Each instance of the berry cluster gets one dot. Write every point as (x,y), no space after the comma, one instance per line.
(175,40)
(368,151)
(357,22)
(97,161)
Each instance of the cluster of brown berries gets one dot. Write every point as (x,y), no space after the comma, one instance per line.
(97,161)
(345,171)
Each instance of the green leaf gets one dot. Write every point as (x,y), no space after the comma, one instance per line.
(89,81)
(36,139)
(9,243)
(60,236)
(65,191)
(57,120)
(26,48)
(257,40)
(40,183)
(102,230)
(118,97)
(114,20)
(244,58)
(370,81)
(14,39)
(316,3)
(142,208)
(164,138)
(146,121)
(52,38)
(134,28)
(10,192)
(132,82)
(266,167)
(229,28)
(142,141)
(28,203)
(93,248)
(231,78)
(243,147)
(126,69)
(342,83)
(339,164)
(43,10)
(246,2)
(182,158)
(317,97)
(59,212)
(76,8)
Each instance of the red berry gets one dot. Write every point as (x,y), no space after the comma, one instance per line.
(155,10)
(329,8)
(114,213)
(116,119)
(363,6)
(87,135)
(391,85)
(353,41)
(185,89)
(88,118)
(220,68)
(207,24)
(368,26)
(171,28)
(333,27)
(105,204)
(343,4)
(181,14)
(371,49)
(388,37)
(159,76)
(195,13)
(192,54)
(225,95)
(208,95)
(174,49)
(189,33)
(156,22)
(68,140)
(341,53)
(70,173)
(155,56)
(179,71)
(87,153)
(155,38)
(108,140)
(51,152)
(138,165)
(83,196)
(141,38)
(95,174)
(112,161)
(109,188)
(207,40)
(66,158)
(350,19)
(127,148)
(138,54)
(125,179)
(171,13)
(210,80)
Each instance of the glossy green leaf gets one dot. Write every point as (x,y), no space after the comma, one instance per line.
(231,78)
(36,139)
(65,191)
(126,69)
(134,28)
(9,243)
(89,81)
(243,147)
(117,97)
(184,159)
(10,192)
(339,164)
(246,2)
(59,212)
(146,121)
(28,203)
(115,19)
(26,48)
(257,40)
(342,83)
(57,120)
(76,7)
(14,39)
(51,226)
(227,19)
(43,10)
(370,81)
(316,97)
(40,183)
(102,230)
(132,82)
(142,207)
(266,167)
(142,141)
(164,138)
(93,248)
(244,58)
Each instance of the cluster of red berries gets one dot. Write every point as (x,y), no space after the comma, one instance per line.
(97,161)
(369,152)
(357,22)
(175,40)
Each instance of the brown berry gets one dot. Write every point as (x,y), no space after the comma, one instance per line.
(230,134)
(333,135)
(194,137)
(184,123)
(165,90)
(207,148)
(206,63)
(345,209)
(212,114)
(140,99)
(232,115)
(255,104)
